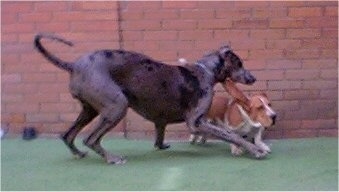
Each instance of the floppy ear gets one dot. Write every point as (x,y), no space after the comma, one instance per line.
(235,92)
(224,49)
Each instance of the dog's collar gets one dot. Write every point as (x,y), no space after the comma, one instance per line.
(208,71)
(246,119)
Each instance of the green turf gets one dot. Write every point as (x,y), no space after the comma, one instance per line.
(45,164)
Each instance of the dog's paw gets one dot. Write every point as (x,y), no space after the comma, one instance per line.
(80,155)
(236,151)
(114,159)
(163,146)
(265,147)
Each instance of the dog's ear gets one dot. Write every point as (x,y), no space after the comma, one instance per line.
(235,92)
(223,50)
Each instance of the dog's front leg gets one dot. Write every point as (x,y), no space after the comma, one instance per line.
(228,135)
(197,121)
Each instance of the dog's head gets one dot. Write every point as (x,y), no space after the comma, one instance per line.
(226,64)
(261,110)
(258,106)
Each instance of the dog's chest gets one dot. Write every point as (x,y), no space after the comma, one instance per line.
(247,129)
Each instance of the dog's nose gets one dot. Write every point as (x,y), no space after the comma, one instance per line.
(273,117)
(250,79)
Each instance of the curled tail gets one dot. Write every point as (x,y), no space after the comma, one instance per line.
(56,61)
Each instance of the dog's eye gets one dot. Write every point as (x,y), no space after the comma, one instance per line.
(269,104)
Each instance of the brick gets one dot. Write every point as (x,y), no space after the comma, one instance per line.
(135,15)
(320,43)
(331,11)
(329,94)
(45,117)
(51,6)
(288,124)
(35,17)
(303,33)
(286,23)
(317,22)
(161,14)
(21,107)
(56,107)
(176,45)
(215,24)
(304,11)
(255,64)
(250,4)
(195,35)
(320,63)
(240,13)
(84,16)
(38,77)
(328,133)
(291,105)
(179,25)
(301,94)
(265,54)
(14,118)
(20,88)
(303,53)
(301,74)
(11,98)
(251,24)
(284,85)
(318,124)
(329,74)
(269,75)
(284,44)
(179,4)
(15,27)
(197,14)
(91,5)
(231,34)
(8,18)
(54,27)
(270,34)
(160,35)
(222,5)
(269,13)
(143,5)
(329,32)
(146,45)
(300,133)
(141,25)
(91,27)
(11,78)
(41,97)
(320,84)
(329,53)
(16,7)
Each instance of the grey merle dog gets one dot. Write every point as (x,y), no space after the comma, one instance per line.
(107,82)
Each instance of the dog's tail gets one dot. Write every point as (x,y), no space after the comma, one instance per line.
(56,61)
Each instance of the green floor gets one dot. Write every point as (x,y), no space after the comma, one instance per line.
(45,164)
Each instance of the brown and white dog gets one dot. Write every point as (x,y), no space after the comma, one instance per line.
(248,117)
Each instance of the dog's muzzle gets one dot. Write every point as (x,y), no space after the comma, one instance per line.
(249,78)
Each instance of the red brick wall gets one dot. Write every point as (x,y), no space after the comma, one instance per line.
(291,47)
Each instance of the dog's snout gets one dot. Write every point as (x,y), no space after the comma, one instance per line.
(250,79)
(273,117)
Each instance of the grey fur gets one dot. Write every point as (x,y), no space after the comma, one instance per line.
(107,82)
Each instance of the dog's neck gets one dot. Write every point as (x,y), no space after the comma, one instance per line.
(204,67)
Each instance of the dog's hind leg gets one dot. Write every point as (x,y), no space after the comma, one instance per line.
(113,111)
(160,134)
(85,117)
